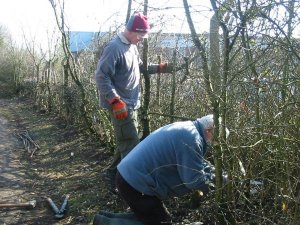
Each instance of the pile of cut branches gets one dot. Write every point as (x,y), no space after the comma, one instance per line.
(29,144)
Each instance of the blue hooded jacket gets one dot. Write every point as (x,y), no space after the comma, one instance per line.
(169,162)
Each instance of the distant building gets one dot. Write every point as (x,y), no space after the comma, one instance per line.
(80,40)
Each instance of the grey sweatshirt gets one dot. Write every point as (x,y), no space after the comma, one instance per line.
(118,73)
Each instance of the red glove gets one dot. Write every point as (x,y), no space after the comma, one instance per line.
(161,67)
(165,68)
(119,108)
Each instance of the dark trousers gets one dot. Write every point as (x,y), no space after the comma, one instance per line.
(148,209)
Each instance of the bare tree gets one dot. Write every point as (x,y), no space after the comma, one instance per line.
(70,65)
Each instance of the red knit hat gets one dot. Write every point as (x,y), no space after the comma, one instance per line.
(138,23)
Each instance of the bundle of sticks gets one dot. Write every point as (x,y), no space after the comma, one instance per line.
(29,144)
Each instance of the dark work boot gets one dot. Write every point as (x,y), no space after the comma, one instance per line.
(103,220)
(109,180)
(100,220)
(124,215)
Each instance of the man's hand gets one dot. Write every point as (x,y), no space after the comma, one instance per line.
(213,179)
(165,68)
(119,108)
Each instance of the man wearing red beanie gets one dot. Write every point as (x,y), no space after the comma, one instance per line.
(118,80)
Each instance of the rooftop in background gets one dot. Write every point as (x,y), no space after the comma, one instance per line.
(80,40)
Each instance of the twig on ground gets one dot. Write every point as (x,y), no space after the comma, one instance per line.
(29,144)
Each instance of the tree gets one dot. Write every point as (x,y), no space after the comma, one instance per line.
(71,66)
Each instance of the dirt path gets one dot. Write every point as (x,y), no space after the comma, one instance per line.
(68,162)
(14,182)
(13,187)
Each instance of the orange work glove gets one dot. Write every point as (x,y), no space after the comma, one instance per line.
(119,108)
(165,68)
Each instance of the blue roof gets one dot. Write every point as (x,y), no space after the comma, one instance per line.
(80,40)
